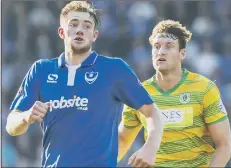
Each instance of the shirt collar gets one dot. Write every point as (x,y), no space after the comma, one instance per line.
(89,61)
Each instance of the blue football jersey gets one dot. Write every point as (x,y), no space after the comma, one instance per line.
(80,128)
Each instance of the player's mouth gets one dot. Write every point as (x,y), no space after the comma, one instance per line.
(161,60)
(78,39)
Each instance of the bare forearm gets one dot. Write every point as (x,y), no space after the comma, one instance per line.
(15,124)
(221,157)
(154,130)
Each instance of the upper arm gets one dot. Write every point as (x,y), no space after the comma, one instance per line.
(28,92)
(128,88)
(215,115)
(148,109)
(214,110)
(220,133)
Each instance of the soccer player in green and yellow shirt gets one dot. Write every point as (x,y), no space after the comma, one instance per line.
(194,115)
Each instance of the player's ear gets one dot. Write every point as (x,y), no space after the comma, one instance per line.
(182,54)
(61,32)
(95,35)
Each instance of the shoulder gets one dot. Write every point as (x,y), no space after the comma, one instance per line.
(110,60)
(113,64)
(148,83)
(203,82)
(44,62)
(43,65)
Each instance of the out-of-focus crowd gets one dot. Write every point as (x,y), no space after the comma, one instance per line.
(29,33)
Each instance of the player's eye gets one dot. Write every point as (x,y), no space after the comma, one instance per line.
(73,24)
(157,47)
(169,46)
(86,27)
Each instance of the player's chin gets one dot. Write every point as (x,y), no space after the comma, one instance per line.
(78,44)
(161,68)
(80,49)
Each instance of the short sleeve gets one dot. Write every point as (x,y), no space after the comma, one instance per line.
(28,92)
(129,118)
(214,109)
(129,89)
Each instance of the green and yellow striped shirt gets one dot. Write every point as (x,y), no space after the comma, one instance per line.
(187,110)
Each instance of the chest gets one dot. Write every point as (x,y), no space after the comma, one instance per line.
(79,102)
(82,95)
(83,83)
(181,111)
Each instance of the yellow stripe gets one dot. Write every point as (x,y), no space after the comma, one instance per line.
(171,136)
(214,118)
(131,123)
(218,121)
(199,131)
(207,165)
(194,87)
(151,90)
(185,155)
(211,97)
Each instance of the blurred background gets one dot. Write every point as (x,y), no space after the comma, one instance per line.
(29,33)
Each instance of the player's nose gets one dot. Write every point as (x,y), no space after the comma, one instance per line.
(79,32)
(162,51)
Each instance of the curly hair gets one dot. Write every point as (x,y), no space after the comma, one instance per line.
(174,29)
(81,6)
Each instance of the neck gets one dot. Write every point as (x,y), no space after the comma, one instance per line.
(167,80)
(76,58)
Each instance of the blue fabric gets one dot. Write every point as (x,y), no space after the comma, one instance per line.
(81,127)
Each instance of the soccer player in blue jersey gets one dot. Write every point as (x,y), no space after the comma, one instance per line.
(79,97)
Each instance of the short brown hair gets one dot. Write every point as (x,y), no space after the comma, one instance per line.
(81,6)
(174,28)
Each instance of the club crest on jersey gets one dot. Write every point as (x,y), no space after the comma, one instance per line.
(91,77)
(185,98)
